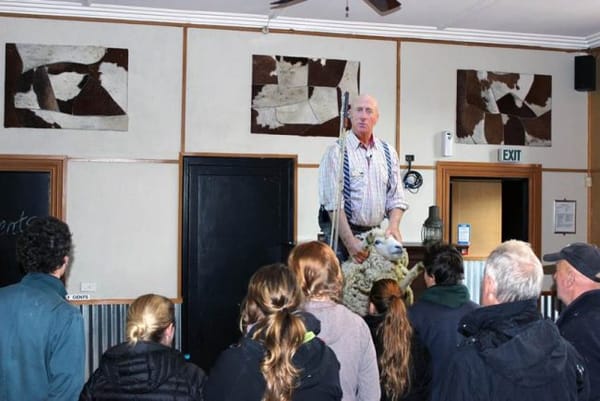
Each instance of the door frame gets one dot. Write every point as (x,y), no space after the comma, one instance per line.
(445,171)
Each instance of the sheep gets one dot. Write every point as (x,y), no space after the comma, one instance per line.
(387,259)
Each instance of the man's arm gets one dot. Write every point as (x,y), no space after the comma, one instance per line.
(352,244)
(395,200)
(67,360)
(395,216)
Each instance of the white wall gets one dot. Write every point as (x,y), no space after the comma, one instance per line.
(122,194)
(428,106)
(219,88)
(124,215)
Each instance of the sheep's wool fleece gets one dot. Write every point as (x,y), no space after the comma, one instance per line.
(359,279)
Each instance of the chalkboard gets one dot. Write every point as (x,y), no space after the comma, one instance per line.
(30,187)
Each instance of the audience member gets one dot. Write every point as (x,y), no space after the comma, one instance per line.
(404,363)
(435,315)
(42,344)
(279,358)
(577,280)
(146,367)
(318,271)
(510,351)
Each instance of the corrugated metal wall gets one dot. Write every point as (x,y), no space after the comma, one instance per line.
(473,276)
(549,303)
(105,326)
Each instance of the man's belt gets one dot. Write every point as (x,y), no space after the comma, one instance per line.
(360,229)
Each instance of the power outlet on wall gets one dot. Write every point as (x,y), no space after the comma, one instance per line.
(88,287)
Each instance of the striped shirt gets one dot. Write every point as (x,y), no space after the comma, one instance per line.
(370,196)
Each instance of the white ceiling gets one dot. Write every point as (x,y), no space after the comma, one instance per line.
(568,24)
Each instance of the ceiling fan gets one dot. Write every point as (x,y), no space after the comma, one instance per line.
(382,6)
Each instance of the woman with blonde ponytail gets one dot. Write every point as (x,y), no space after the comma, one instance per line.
(404,363)
(279,358)
(146,367)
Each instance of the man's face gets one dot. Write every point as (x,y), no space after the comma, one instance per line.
(364,114)
(563,280)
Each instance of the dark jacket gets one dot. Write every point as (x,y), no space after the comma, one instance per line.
(435,316)
(145,371)
(420,369)
(511,353)
(42,343)
(579,323)
(236,375)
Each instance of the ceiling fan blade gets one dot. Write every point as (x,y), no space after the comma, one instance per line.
(385,6)
(280,3)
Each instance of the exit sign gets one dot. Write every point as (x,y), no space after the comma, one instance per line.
(509,155)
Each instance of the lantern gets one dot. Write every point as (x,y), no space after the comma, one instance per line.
(432,230)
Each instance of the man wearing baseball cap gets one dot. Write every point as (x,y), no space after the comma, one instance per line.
(577,280)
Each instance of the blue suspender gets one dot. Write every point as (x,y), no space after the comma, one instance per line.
(347,208)
(346,190)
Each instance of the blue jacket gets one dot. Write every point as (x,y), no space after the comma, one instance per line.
(42,344)
(435,318)
(579,323)
(511,354)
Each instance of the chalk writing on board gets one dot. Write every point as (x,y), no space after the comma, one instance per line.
(15,227)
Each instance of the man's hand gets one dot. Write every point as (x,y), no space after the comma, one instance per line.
(394,232)
(356,250)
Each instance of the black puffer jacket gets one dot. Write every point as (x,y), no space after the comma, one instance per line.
(236,375)
(512,354)
(146,371)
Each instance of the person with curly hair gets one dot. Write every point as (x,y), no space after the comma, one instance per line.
(146,367)
(319,274)
(279,358)
(42,343)
(404,362)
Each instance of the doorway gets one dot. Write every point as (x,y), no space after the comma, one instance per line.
(238,214)
(520,197)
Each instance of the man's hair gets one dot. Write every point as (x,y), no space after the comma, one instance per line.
(317,270)
(444,263)
(43,245)
(517,272)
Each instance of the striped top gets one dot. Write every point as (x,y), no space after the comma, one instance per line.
(370,198)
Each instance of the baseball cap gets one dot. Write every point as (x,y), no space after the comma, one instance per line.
(583,257)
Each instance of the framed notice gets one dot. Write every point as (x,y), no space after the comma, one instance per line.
(564,216)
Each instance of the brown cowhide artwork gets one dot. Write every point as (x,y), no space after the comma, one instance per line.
(503,108)
(68,87)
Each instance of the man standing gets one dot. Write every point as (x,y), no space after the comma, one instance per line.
(577,280)
(371,184)
(435,315)
(42,344)
(510,351)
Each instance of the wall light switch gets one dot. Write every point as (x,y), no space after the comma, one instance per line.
(88,287)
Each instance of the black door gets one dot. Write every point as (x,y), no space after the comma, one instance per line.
(238,215)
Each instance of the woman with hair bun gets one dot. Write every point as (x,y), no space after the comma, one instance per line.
(146,367)
(279,358)
(404,363)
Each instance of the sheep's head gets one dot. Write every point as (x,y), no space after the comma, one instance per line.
(389,248)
